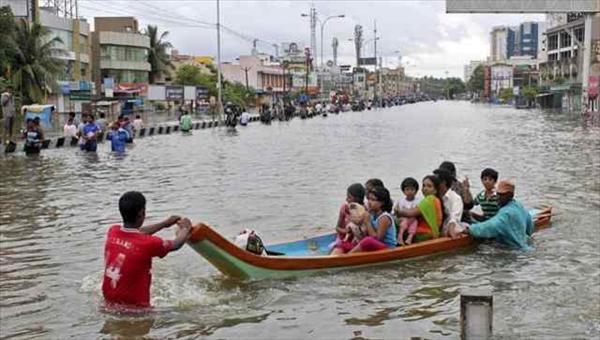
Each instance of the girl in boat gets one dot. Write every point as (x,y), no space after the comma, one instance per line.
(354,194)
(382,230)
(428,212)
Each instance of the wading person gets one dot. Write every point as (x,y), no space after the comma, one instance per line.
(512,225)
(89,135)
(33,137)
(7,102)
(129,250)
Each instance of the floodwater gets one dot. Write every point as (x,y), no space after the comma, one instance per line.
(287,180)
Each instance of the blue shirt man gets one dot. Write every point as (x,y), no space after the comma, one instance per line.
(118,138)
(512,225)
(90,131)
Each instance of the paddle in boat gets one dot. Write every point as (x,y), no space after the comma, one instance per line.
(309,256)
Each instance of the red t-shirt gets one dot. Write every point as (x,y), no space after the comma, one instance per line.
(128,257)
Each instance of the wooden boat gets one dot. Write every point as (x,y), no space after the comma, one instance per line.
(309,256)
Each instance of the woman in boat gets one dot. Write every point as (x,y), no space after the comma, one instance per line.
(354,194)
(428,212)
(382,230)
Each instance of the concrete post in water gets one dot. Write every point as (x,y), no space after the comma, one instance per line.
(476,314)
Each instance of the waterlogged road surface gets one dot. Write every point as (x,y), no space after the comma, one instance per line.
(286,181)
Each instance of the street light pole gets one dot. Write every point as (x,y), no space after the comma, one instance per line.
(219,82)
(322,28)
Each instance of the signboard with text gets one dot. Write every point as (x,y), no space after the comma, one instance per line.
(174,92)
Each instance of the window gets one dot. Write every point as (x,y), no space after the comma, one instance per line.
(552,42)
(553,56)
(123,53)
(565,40)
(565,55)
(579,34)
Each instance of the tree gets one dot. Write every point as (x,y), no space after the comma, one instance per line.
(7,43)
(35,70)
(530,92)
(506,95)
(157,54)
(475,83)
(238,94)
(193,75)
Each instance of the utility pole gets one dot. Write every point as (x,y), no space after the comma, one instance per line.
(219,82)
(246,69)
(313,32)
(375,47)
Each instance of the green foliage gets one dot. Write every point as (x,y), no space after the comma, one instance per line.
(475,83)
(559,80)
(506,95)
(7,42)
(530,92)
(34,69)
(237,94)
(192,75)
(157,54)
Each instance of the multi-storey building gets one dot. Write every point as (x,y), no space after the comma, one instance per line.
(120,52)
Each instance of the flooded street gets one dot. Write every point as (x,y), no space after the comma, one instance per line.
(286,181)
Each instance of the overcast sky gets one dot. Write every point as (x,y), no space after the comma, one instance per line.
(430,41)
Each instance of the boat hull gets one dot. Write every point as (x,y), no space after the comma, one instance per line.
(307,257)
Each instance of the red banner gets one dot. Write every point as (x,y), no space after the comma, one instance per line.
(593,87)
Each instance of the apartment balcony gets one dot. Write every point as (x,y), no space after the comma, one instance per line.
(124,39)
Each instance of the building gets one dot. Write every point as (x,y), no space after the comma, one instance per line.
(498,43)
(470,67)
(391,81)
(74,51)
(561,74)
(261,72)
(501,77)
(522,40)
(206,65)
(120,55)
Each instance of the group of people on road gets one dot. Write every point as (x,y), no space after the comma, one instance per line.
(369,220)
(90,131)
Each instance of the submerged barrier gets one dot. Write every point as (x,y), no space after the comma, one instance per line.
(158,129)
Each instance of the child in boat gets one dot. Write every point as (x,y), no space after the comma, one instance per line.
(410,187)
(356,228)
(428,211)
(354,194)
(487,198)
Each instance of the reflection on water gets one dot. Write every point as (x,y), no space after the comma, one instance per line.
(287,181)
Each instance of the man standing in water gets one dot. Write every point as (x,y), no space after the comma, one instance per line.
(129,250)
(512,225)
(8,112)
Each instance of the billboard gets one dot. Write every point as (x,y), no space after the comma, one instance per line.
(521,6)
(367,61)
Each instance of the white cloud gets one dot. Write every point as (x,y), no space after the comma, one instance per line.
(430,40)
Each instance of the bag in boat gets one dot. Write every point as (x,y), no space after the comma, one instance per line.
(250,241)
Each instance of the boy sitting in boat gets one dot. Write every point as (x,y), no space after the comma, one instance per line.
(487,198)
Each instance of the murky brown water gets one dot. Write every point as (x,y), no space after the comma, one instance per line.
(287,180)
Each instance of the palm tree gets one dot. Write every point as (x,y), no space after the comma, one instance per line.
(157,55)
(35,68)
